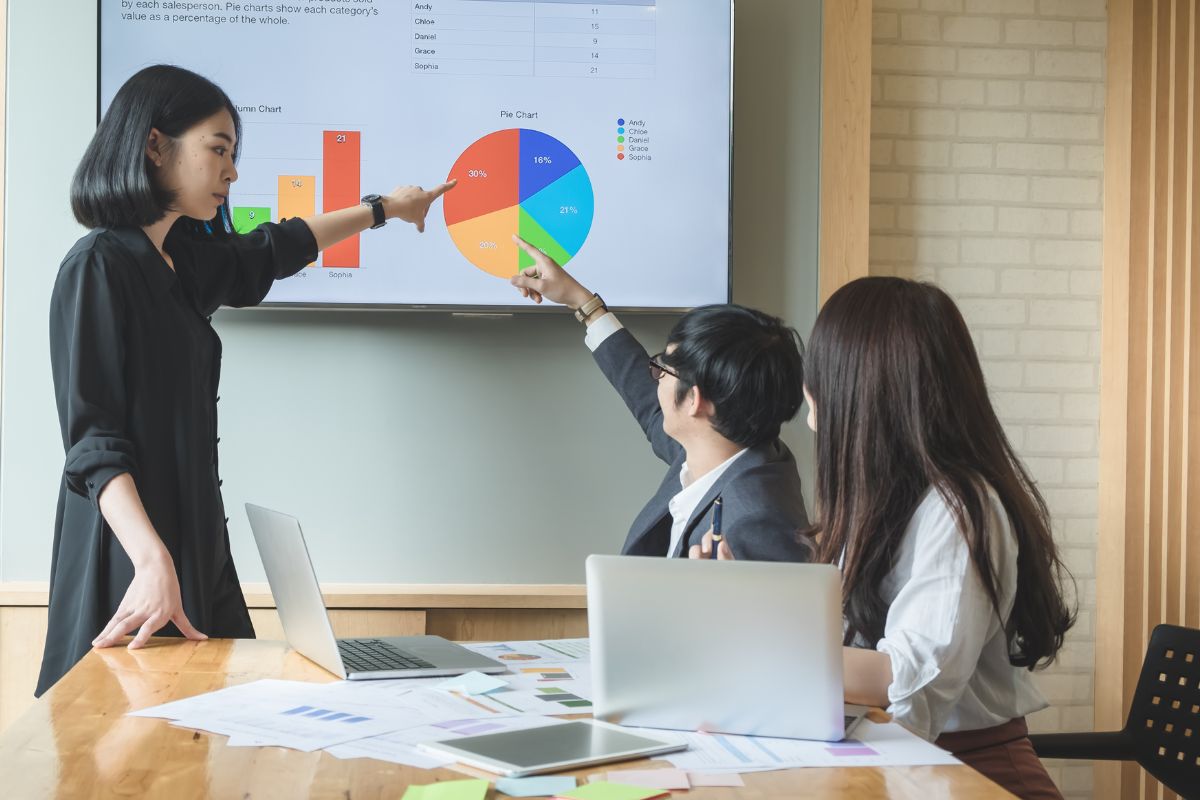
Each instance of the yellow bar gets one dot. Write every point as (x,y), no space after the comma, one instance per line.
(297,196)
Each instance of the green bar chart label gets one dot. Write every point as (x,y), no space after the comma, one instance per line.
(247,218)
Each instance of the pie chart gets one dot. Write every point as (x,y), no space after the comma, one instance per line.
(518,181)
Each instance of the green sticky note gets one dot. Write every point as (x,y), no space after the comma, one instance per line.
(603,790)
(449,790)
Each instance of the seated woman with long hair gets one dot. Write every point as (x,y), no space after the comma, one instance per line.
(952,585)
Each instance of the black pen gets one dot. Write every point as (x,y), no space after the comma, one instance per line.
(716,530)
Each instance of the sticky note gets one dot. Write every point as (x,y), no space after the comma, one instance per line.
(612,791)
(472,683)
(716,779)
(449,790)
(540,786)
(655,778)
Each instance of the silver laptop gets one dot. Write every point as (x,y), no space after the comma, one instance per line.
(744,647)
(306,623)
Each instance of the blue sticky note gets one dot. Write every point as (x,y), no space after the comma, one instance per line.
(541,786)
(472,683)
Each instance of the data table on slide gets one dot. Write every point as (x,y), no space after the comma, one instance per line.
(547,38)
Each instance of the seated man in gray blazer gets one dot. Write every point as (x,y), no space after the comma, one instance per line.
(711,405)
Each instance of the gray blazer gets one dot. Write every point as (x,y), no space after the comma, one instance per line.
(763,506)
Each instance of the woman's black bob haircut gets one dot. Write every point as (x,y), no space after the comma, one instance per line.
(114,183)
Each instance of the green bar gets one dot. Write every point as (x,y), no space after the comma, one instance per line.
(247,218)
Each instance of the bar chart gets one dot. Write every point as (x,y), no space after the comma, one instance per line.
(335,177)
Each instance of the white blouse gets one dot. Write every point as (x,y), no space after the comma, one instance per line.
(950,667)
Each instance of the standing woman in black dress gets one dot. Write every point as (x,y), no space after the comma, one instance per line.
(140,541)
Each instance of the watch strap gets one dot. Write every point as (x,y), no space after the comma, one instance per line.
(376,204)
(590,307)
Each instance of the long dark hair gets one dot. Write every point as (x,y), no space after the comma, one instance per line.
(114,184)
(902,406)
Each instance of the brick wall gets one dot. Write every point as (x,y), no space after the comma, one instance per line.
(986,150)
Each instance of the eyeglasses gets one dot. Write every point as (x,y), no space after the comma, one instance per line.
(658,369)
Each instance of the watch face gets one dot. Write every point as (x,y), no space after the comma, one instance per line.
(371,198)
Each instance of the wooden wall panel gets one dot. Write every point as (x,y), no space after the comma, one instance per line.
(845,143)
(506,624)
(1148,568)
(348,622)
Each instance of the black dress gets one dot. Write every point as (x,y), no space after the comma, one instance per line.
(136,364)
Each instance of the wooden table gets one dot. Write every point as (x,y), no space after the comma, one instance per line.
(75,742)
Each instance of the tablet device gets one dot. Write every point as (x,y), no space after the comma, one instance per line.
(552,748)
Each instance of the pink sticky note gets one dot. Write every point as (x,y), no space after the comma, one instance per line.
(652,778)
(716,779)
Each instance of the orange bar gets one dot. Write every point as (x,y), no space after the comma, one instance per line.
(341,188)
(297,197)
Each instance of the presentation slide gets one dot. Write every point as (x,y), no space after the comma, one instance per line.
(599,131)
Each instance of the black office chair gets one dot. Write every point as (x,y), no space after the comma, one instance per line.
(1162,732)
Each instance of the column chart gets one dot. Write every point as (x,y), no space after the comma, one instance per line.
(325,175)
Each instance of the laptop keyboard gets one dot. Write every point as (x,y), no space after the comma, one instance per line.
(373,655)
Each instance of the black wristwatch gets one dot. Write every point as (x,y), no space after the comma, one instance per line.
(376,204)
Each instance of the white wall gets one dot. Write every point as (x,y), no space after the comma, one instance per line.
(986,179)
(415,447)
